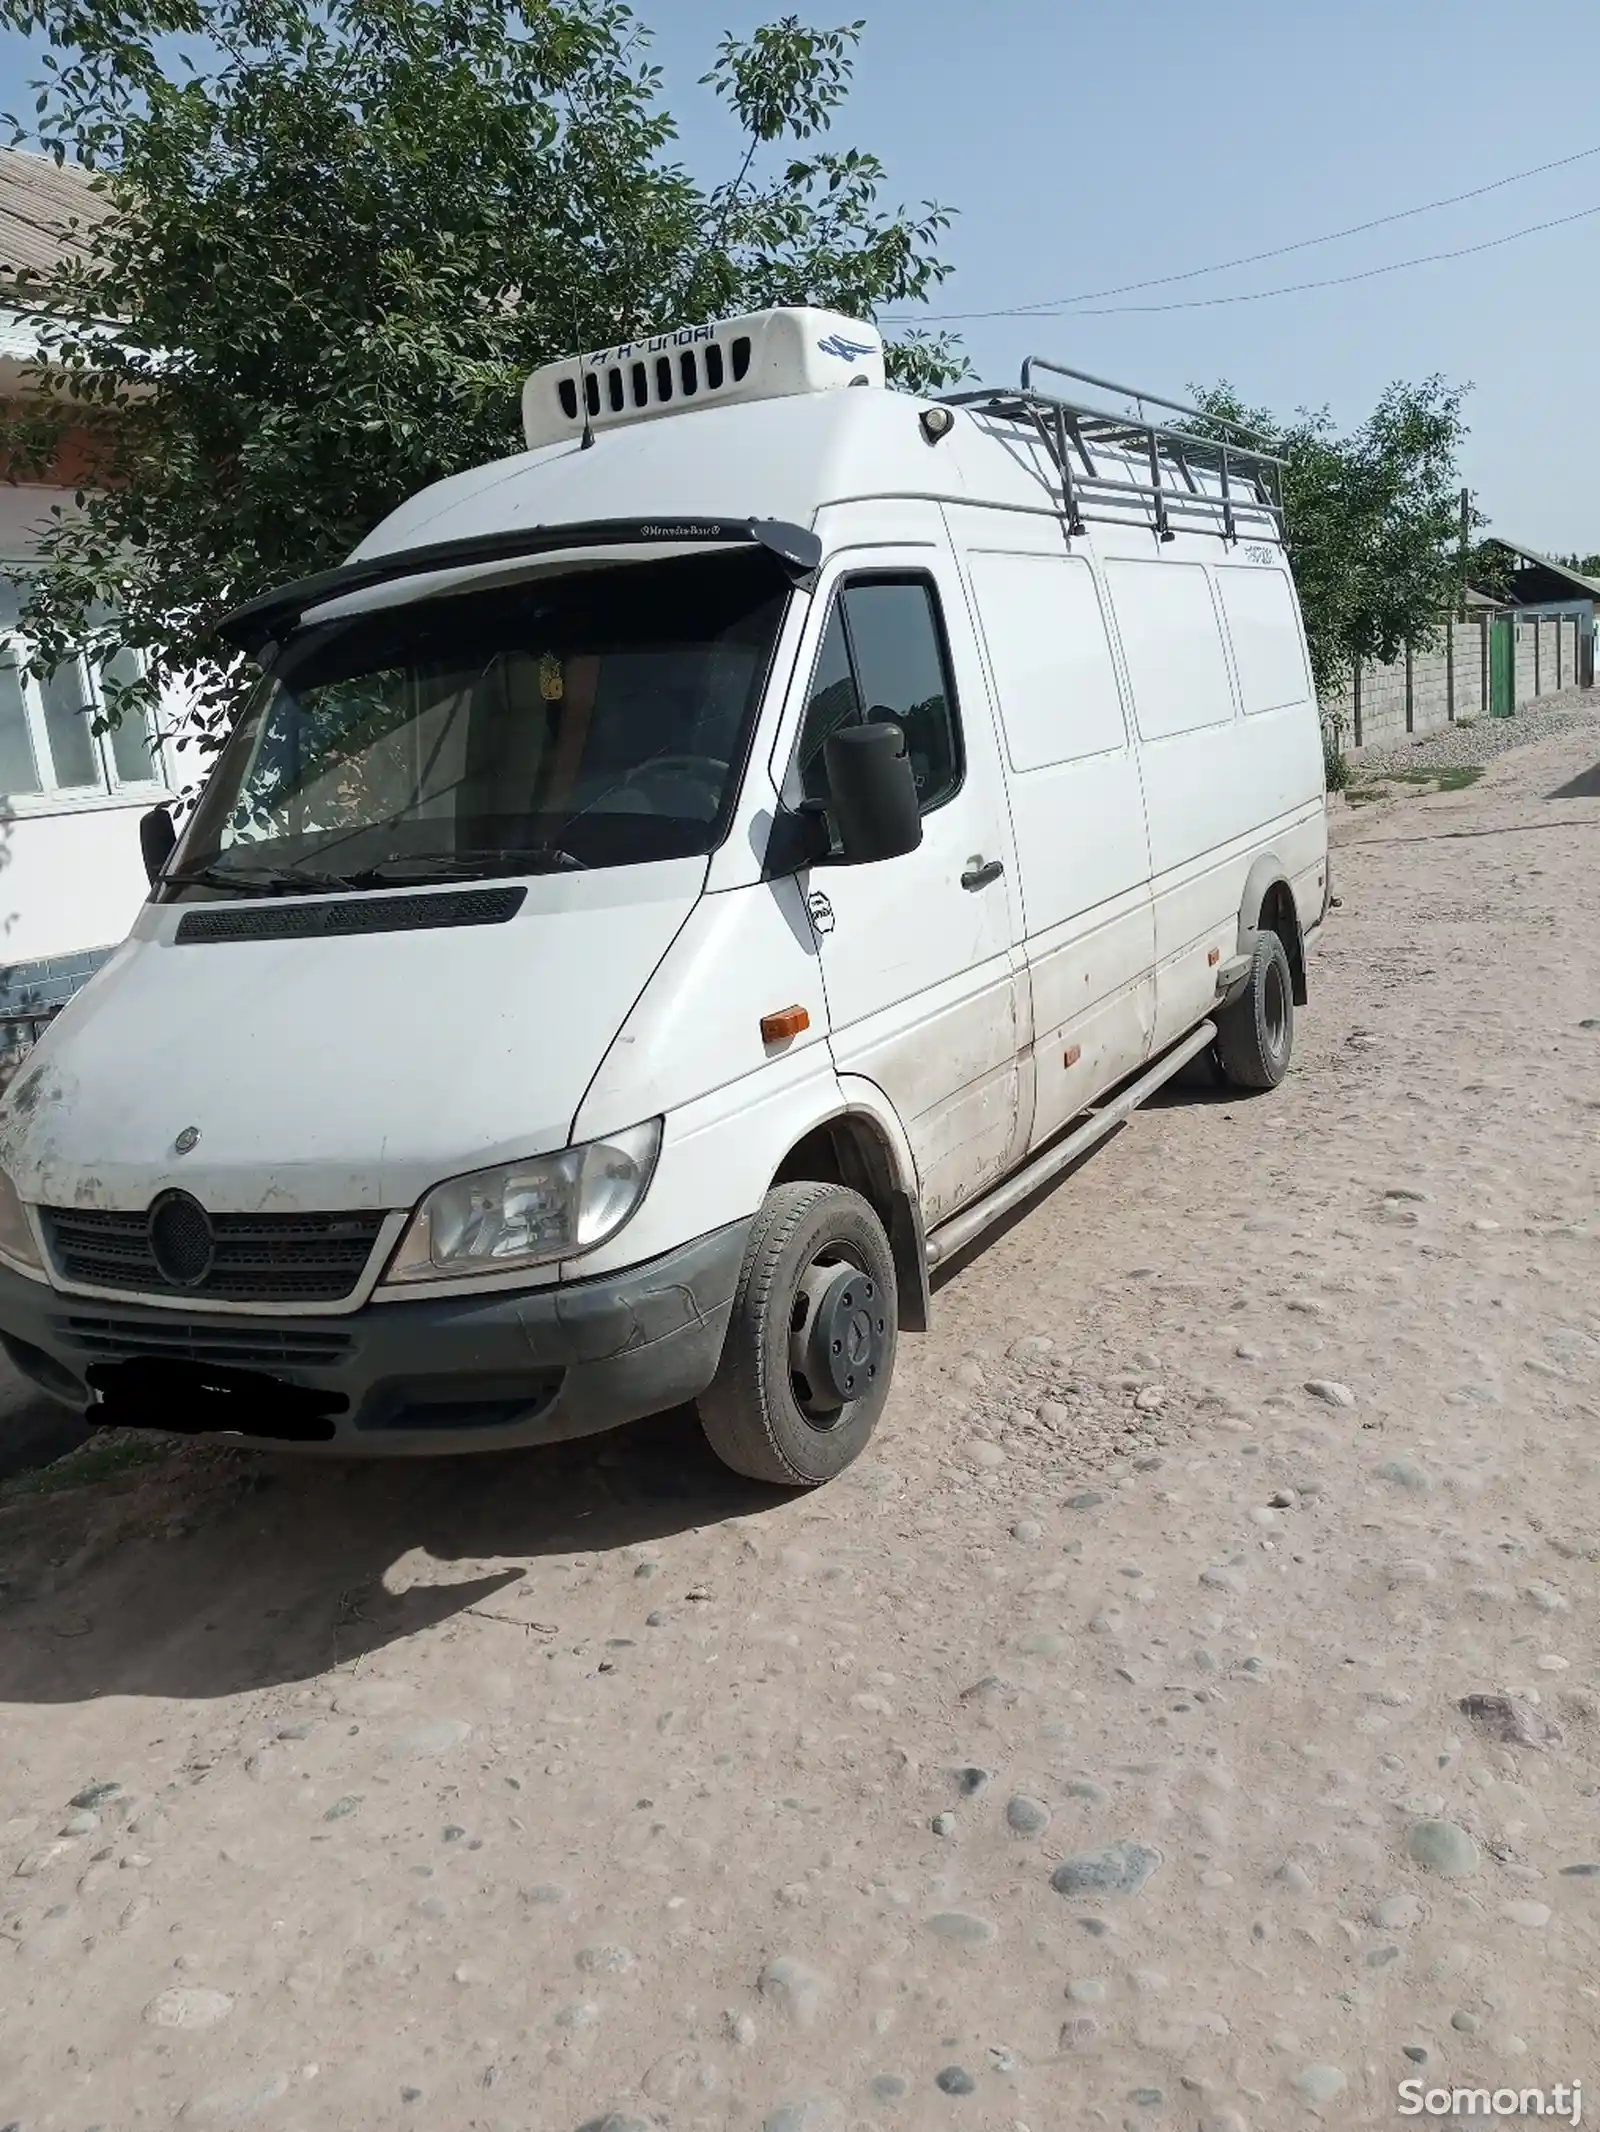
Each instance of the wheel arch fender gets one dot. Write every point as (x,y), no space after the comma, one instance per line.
(861,1142)
(1268,905)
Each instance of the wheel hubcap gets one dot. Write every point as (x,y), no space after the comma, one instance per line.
(837,1337)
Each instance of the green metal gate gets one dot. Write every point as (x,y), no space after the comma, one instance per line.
(1502,668)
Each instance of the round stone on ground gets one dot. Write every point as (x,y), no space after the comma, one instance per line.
(1442,1847)
(1119,1869)
(1026,1816)
(1321,2083)
(962,1928)
(794,1989)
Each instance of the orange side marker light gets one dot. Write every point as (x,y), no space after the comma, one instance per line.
(1072,1054)
(787,1022)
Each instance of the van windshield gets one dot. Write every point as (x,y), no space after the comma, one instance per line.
(592,720)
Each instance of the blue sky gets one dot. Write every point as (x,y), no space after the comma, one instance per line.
(1087,144)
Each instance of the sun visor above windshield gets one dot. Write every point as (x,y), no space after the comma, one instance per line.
(452,563)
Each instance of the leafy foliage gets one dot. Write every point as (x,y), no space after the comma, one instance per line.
(1374,520)
(343,231)
(1335,763)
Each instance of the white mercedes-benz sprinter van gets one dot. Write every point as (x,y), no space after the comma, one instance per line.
(669,890)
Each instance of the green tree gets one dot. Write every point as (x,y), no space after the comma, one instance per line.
(1373,520)
(341,233)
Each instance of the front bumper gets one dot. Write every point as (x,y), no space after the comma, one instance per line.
(468,1373)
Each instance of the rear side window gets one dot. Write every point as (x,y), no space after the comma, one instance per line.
(1265,634)
(1051,658)
(1173,645)
(883,658)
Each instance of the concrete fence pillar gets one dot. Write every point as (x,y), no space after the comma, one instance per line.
(1411,690)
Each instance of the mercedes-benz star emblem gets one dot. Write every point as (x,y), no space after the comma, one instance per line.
(181,1239)
(187,1139)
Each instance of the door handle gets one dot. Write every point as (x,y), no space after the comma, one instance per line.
(980,872)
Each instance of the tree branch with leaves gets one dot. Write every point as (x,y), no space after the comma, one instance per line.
(341,234)
(1373,519)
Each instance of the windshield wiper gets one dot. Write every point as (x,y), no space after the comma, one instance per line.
(452,865)
(262,880)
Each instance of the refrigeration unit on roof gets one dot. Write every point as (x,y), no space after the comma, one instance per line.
(768,355)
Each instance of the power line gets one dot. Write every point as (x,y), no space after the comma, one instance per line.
(1294,288)
(1047,307)
(1335,281)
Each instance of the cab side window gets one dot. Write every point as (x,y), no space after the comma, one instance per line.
(883,659)
(833,702)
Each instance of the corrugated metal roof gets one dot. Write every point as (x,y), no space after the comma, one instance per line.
(39,202)
(1589,585)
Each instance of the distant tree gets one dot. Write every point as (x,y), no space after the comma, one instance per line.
(1585,565)
(1373,520)
(342,233)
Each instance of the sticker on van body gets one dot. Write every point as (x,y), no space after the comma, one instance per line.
(847,351)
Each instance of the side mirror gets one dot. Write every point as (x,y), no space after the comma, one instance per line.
(157,838)
(799,837)
(872,793)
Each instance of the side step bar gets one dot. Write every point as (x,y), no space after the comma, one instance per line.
(953,1235)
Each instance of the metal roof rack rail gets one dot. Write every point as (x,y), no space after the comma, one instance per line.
(1249,477)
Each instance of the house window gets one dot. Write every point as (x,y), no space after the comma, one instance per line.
(49,750)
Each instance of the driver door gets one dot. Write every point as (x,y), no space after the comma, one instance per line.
(916,953)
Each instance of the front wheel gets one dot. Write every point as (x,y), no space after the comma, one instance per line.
(810,1349)
(1255,1036)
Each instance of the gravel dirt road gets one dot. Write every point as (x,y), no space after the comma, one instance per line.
(1187,1715)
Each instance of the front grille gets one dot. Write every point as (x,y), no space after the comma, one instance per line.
(242,1347)
(258,1258)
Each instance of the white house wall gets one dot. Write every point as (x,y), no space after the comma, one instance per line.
(69,882)
(24,517)
(71,876)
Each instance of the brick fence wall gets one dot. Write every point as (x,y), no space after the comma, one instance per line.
(1449,681)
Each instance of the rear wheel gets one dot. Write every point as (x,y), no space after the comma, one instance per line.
(810,1348)
(1255,1036)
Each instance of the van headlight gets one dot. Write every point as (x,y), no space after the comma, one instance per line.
(17,1246)
(528,1213)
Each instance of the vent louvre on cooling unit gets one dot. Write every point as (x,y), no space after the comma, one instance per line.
(768,355)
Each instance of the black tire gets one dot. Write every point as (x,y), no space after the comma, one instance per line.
(817,1269)
(1255,1036)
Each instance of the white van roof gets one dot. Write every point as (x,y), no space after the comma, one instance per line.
(773,433)
(785,458)
(777,458)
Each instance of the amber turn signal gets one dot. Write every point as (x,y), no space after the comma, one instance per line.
(787,1022)
(1072,1054)
(1214,957)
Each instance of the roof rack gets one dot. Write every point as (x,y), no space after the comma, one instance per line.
(1248,478)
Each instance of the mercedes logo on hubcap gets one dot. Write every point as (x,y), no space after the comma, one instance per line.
(181,1239)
